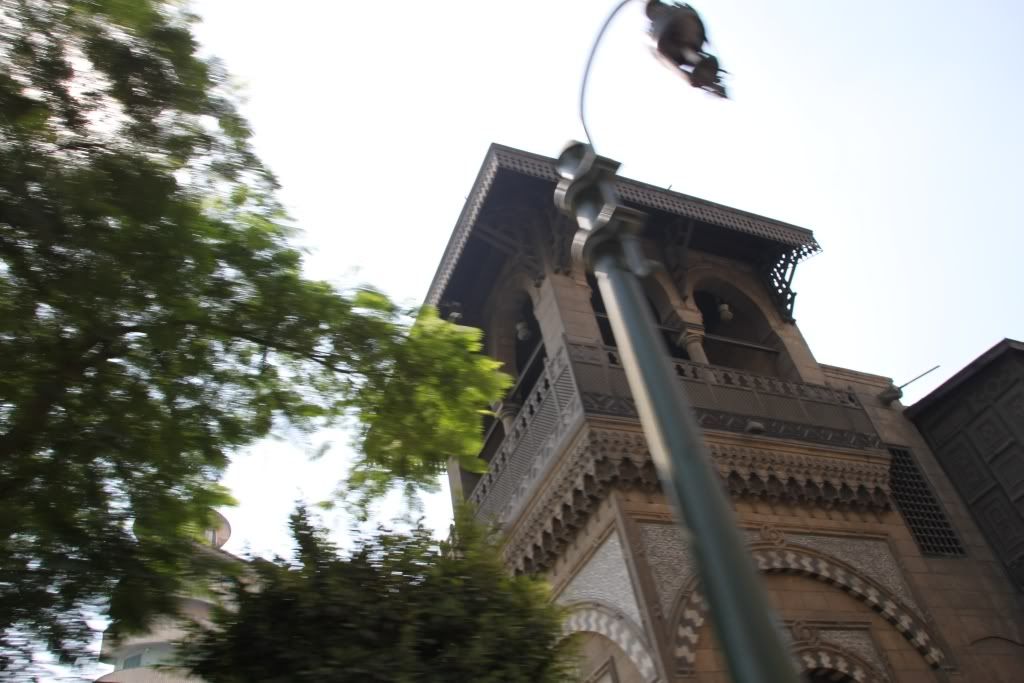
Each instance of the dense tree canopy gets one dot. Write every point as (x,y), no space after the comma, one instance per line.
(154,318)
(400,607)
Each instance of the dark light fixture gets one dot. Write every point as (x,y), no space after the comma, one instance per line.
(725,313)
(679,37)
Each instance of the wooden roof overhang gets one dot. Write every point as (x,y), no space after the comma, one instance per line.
(514,180)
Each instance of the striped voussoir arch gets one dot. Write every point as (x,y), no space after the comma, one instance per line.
(796,561)
(618,630)
(832,663)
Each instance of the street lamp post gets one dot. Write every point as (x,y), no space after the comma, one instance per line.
(607,244)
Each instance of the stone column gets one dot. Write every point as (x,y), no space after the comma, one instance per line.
(693,341)
(507,412)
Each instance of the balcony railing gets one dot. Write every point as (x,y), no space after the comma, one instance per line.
(550,408)
(733,400)
(588,379)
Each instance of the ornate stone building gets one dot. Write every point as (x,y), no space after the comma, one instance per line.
(145,657)
(974,423)
(877,569)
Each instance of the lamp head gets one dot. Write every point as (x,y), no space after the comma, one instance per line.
(678,35)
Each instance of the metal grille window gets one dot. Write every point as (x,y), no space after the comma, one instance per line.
(921,510)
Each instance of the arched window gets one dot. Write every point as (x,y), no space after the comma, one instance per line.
(658,303)
(597,303)
(529,351)
(737,334)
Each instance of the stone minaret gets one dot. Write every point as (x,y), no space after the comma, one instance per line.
(877,570)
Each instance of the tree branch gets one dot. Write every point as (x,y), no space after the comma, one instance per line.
(241,334)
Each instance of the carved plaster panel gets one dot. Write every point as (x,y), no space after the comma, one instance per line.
(605,579)
(670,561)
(873,557)
(855,641)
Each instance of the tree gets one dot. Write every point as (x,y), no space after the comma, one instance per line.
(154,318)
(399,607)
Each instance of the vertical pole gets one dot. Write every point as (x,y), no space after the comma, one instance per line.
(741,614)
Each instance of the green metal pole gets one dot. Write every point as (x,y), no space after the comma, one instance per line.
(743,619)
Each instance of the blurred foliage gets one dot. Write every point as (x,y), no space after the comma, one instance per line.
(399,607)
(154,319)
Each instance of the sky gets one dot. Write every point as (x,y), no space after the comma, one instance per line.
(893,130)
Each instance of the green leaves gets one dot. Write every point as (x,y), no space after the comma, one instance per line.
(154,318)
(398,607)
(426,409)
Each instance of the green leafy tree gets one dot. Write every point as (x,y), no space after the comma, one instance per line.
(154,319)
(399,607)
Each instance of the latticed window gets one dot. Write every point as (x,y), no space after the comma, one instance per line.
(920,508)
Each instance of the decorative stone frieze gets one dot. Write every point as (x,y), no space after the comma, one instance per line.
(802,479)
(604,579)
(603,459)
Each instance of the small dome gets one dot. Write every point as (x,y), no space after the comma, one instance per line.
(218,534)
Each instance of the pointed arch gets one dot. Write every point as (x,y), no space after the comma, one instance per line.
(595,618)
(692,609)
(741,330)
(514,300)
(705,275)
(828,662)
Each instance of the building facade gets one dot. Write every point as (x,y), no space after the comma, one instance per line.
(145,657)
(974,424)
(871,557)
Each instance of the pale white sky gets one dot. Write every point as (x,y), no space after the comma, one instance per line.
(893,130)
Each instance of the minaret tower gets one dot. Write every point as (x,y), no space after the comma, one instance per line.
(863,544)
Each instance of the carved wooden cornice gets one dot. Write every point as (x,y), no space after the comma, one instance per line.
(794,241)
(603,459)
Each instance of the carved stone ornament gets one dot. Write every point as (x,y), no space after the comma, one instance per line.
(801,479)
(771,534)
(693,610)
(803,632)
(600,460)
(605,459)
